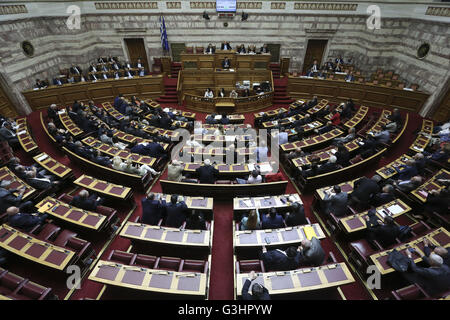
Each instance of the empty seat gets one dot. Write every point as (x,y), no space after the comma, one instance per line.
(48,232)
(195,266)
(32,291)
(10,282)
(361,251)
(146,261)
(245,266)
(64,237)
(122,257)
(412,292)
(224,182)
(169,263)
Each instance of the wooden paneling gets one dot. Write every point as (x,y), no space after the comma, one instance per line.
(442,112)
(214,61)
(364,94)
(136,50)
(6,107)
(314,51)
(142,87)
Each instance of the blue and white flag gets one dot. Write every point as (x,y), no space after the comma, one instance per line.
(164,42)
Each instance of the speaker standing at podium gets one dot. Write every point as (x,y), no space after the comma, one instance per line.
(226,64)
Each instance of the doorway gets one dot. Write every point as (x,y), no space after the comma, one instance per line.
(314,51)
(136,50)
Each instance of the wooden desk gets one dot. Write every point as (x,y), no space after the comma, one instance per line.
(53,166)
(312,141)
(224,169)
(382,120)
(69,124)
(322,104)
(281,201)
(345,187)
(234,118)
(276,237)
(79,217)
(389,171)
(170,236)
(282,122)
(424,136)
(212,127)
(306,128)
(223,191)
(16,183)
(122,154)
(33,249)
(193,203)
(270,113)
(300,280)
(143,87)
(357,117)
(357,222)
(201,61)
(361,93)
(224,139)
(104,187)
(421,193)
(438,237)
(24,136)
(150,280)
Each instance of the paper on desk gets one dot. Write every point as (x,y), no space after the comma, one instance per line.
(309,232)
(395,209)
(229,138)
(381,213)
(43,157)
(62,111)
(251,167)
(21,132)
(248,203)
(218,117)
(333,151)
(45,207)
(265,168)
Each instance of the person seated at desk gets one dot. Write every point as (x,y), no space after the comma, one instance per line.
(434,279)
(75,70)
(196,221)
(209,93)
(326,128)
(440,155)
(438,201)
(328,166)
(175,212)
(222,93)
(336,203)
(350,136)
(224,119)
(57,82)
(226,63)
(128,73)
(272,220)
(211,119)
(8,199)
(25,221)
(40,182)
(85,201)
(342,155)
(251,49)
(348,109)
(153,209)
(175,171)
(297,153)
(207,173)
(251,221)
(116,66)
(241,49)
(296,216)
(8,133)
(264,49)
(93,77)
(104,76)
(349,77)
(225,46)
(101,160)
(274,176)
(279,260)
(364,189)
(210,49)
(373,141)
(254,178)
(233,94)
(129,167)
(429,248)
(246,93)
(407,170)
(141,72)
(312,253)
(387,232)
(395,121)
(329,65)
(314,69)
(259,292)
(338,68)
(407,186)
(40,84)
(59,134)
(92,68)
(139,64)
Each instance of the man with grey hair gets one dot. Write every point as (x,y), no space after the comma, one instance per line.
(364,189)
(207,173)
(329,166)
(409,185)
(312,253)
(175,171)
(386,195)
(434,279)
(350,136)
(8,198)
(24,221)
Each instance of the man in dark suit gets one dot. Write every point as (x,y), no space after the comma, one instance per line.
(328,166)
(272,220)
(92,68)
(75,70)
(25,221)
(349,77)
(101,160)
(296,216)
(279,260)
(364,189)
(409,185)
(312,253)
(7,133)
(407,171)
(386,195)
(226,63)
(210,119)
(225,46)
(176,212)
(85,201)
(210,49)
(8,199)
(385,233)
(336,203)
(152,209)
(155,150)
(52,112)
(207,173)
(258,291)
(57,82)
(224,119)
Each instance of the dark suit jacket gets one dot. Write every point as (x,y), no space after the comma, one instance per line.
(382,198)
(89,204)
(248,296)
(407,172)
(433,280)
(25,221)
(155,150)
(269,223)
(364,189)
(207,174)
(327,167)
(152,211)
(337,203)
(176,214)
(226,66)
(8,199)
(274,260)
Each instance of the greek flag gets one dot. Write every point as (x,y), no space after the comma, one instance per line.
(164,42)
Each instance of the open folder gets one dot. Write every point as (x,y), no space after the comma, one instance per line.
(309,232)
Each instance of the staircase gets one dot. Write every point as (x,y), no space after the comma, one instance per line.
(280,95)
(175,67)
(275,68)
(170,89)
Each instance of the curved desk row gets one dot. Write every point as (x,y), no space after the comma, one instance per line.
(24,136)
(224,191)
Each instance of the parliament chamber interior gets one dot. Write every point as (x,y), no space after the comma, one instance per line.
(224,150)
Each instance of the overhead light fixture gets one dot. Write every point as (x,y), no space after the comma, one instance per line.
(205,16)
(244,16)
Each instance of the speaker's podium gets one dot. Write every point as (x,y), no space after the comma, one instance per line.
(225,105)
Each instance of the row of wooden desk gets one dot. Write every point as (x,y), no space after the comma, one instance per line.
(68,123)
(312,141)
(24,136)
(16,183)
(424,136)
(421,193)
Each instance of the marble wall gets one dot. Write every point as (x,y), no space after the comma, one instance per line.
(393,47)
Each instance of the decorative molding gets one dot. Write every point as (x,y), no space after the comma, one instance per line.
(278,5)
(326,6)
(202,5)
(13,9)
(131,30)
(173,5)
(126,5)
(438,11)
(249,5)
